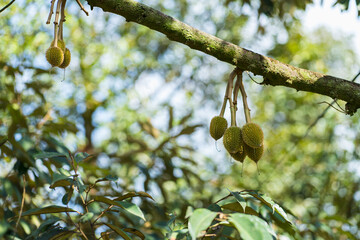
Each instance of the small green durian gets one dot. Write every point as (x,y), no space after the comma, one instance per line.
(239,156)
(55,56)
(218,126)
(67,59)
(232,140)
(254,154)
(253,135)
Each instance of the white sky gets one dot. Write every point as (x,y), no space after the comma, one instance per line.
(334,19)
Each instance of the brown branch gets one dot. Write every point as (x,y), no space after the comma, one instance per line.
(82,7)
(51,11)
(275,73)
(7,5)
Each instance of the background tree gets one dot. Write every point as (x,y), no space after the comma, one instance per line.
(139,102)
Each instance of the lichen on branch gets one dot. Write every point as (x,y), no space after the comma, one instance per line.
(275,73)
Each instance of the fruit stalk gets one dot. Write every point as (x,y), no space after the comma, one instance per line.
(62,19)
(51,11)
(229,89)
(56,22)
(244,97)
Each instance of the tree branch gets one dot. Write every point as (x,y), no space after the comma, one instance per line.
(275,73)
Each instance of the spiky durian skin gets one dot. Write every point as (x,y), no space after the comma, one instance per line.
(67,59)
(60,44)
(232,140)
(253,135)
(218,126)
(55,56)
(239,156)
(254,154)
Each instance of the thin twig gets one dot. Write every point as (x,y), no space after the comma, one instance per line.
(244,98)
(339,105)
(46,118)
(22,202)
(7,5)
(77,226)
(331,105)
(51,11)
(102,213)
(82,7)
(252,78)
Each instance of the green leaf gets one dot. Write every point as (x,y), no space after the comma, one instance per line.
(271,204)
(62,183)
(81,156)
(86,217)
(48,209)
(127,206)
(49,155)
(135,232)
(118,231)
(240,199)
(200,220)
(43,227)
(234,206)
(107,178)
(134,194)
(251,227)
(214,207)
(131,208)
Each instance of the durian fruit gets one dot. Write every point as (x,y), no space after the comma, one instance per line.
(254,154)
(60,44)
(55,56)
(218,126)
(252,135)
(232,139)
(239,156)
(67,58)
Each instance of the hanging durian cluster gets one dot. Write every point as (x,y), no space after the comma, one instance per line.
(57,54)
(239,142)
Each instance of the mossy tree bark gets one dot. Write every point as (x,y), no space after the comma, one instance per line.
(274,72)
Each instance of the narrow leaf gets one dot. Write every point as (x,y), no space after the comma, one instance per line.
(118,231)
(134,194)
(251,227)
(62,183)
(49,209)
(135,231)
(199,221)
(129,207)
(49,155)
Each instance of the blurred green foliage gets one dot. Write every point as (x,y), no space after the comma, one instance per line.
(140,105)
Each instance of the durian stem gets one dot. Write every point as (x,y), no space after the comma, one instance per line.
(236,91)
(224,102)
(56,22)
(244,97)
(229,89)
(62,19)
(51,11)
